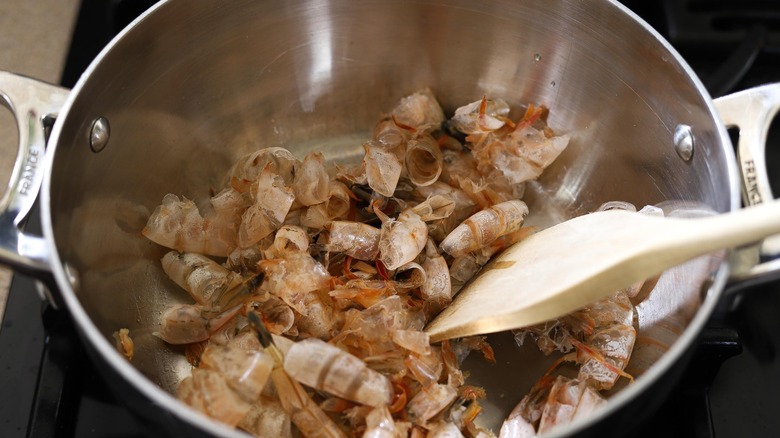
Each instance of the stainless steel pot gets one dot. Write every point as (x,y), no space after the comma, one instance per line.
(192,85)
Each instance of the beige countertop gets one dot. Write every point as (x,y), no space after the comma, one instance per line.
(34,40)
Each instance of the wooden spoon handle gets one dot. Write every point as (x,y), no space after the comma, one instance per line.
(690,238)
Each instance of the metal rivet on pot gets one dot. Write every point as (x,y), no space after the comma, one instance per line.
(99,134)
(684,142)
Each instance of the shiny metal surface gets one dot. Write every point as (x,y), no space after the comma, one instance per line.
(193,85)
(99,134)
(684,142)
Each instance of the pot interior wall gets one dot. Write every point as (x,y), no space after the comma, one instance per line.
(199,83)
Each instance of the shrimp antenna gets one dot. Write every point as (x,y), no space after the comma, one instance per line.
(262,333)
(265,337)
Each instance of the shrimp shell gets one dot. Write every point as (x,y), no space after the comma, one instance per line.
(303,411)
(472,119)
(288,239)
(200,276)
(463,268)
(383,168)
(424,160)
(319,319)
(567,399)
(327,368)
(413,340)
(420,111)
(335,207)
(124,343)
(614,344)
(434,208)
(389,134)
(402,240)
(444,430)
(437,289)
(425,368)
(179,225)
(520,421)
(431,400)
(352,173)
(247,339)
(273,199)
(521,156)
(484,227)
(245,260)
(246,372)
(462,208)
(380,424)
(208,391)
(277,315)
(310,184)
(228,206)
(355,239)
(413,277)
(280,161)
(293,277)
(267,418)
(453,194)
(188,323)
(364,292)
(456,165)
(487,191)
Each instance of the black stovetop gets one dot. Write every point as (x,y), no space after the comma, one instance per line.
(50,389)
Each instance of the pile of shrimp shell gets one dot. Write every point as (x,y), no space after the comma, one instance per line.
(344,265)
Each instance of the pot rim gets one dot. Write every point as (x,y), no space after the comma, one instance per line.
(164,399)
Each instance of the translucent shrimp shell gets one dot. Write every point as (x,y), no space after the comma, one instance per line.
(179,225)
(522,155)
(424,160)
(188,323)
(430,401)
(290,238)
(293,277)
(303,411)
(437,289)
(209,392)
(267,418)
(383,168)
(481,116)
(280,161)
(335,207)
(202,277)
(355,239)
(273,199)
(402,240)
(379,424)
(484,227)
(420,111)
(311,180)
(327,368)
(246,372)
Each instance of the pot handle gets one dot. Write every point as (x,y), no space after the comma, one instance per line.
(752,112)
(34,105)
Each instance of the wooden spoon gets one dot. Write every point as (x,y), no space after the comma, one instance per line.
(582,260)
